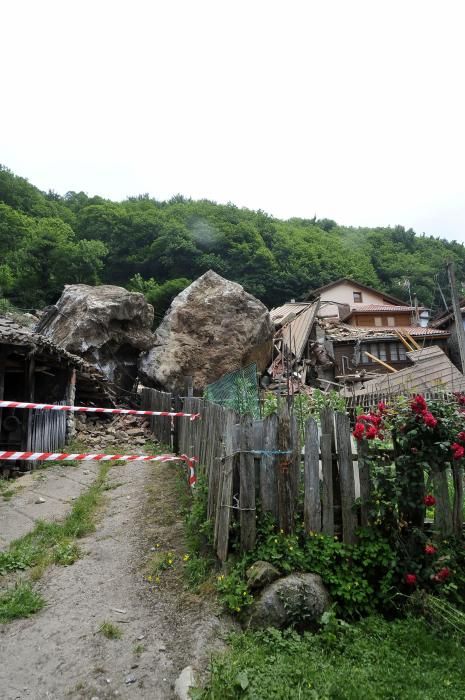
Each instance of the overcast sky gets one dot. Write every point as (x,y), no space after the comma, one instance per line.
(351,110)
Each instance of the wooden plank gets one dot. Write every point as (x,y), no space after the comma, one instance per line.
(29,380)
(457,515)
(312,502)
(247,487)
(258,445)
(269,467)
(224,505)
(284,475)
(442,511)
(2,382)
(346,472)
(365,481)
(327,491)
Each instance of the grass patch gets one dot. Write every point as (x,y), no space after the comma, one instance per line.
(373,659)
(138,649)
(19,601)
(110,630)
(53,542)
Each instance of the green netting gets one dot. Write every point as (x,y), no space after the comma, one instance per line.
(237,390)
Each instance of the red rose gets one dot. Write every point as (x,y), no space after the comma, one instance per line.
(359,431)
(371,432)
(429,420)
(382,407)
(461,436)
(414,450)
(430,549)
(418,405)
(410,579)
(458,451)
(429,500)
(442,574)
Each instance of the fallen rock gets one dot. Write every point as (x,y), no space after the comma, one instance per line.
(106,325)
(298,599)
(260,574)
(184,682)
(211,328)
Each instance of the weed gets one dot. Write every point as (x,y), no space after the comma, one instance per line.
(160,561)
(7,495)
(138,649)
(66,553)
(52,541)
(372,659)
(19,601)
(110,630)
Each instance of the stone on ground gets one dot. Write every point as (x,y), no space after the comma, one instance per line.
(298,599)
(184,682)
(211,328)
(260,574)
(106,325)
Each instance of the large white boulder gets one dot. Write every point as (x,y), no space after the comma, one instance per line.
(106,325)
(212,327)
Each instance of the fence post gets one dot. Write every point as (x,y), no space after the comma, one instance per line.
(247,486)
(457,473)
(442,511)
(312,503)
(365,481)
(268,467)
(286,490)
(225,492)
(346,473)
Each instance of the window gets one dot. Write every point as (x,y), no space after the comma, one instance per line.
(391,321)
(378,321)
(397,352)
(357,297)
(376,349)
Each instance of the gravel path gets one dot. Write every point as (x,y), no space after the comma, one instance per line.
(60,653)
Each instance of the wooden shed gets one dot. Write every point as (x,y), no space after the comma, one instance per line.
(34,369)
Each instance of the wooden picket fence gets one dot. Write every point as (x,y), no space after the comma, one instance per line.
(245,462)
(265,463)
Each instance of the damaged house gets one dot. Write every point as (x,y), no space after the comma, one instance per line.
(368,332)
(36,370)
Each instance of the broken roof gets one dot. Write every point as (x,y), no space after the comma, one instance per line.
(431,371)
(326,287)
(295,331)
(343,332)
(445,316)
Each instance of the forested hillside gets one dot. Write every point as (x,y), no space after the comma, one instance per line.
(48,240)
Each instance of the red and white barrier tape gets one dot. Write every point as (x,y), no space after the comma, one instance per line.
(88,409)
(65,456)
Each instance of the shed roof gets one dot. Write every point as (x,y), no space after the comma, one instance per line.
(431,371)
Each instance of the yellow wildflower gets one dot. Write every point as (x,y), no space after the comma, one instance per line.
(149,578)
(186,557)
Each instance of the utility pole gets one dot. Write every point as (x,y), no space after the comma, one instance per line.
(457,313)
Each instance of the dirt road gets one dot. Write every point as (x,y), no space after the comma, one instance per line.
(60,653)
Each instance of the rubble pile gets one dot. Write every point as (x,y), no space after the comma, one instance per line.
(97,433)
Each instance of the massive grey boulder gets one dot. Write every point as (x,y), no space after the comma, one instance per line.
(298,600)
(106,325)
(212,327)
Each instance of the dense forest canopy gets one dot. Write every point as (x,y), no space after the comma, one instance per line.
(48,240)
